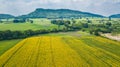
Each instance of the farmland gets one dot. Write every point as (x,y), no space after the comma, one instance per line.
(63,51)
(37,25)
(7,44)
(66,48)
(59,34)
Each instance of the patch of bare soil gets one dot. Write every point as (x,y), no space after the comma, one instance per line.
(108,35)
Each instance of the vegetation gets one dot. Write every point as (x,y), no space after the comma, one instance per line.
(72,50)
(59,25)
(58,38)
(7,44)
(106,26)
(33,24)
(59,13)
(19,20)
(7,35)
(54,51)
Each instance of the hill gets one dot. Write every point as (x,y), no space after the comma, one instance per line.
(115,16)
(58,13)
(5,16)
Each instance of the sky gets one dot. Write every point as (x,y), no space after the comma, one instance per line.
(20,7)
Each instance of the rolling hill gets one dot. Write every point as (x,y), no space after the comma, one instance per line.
(5,16)
(58,13)
(115,16)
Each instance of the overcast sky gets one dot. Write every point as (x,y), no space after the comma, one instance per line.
(19,7)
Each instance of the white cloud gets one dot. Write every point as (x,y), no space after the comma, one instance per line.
(18,7)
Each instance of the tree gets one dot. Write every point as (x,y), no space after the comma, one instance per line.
(19,21)
(91,31)
(108,23)
(28,33)
(85,25)
(7,34)
(96,32)
(17,34)
(1,35)
(73,22)
(55,30)
(31,21)
(88,21)
(66,24)
(53,21)
(59,23)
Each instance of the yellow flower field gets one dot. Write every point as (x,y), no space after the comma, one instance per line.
(56,51)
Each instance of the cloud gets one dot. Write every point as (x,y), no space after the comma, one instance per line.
(19,7)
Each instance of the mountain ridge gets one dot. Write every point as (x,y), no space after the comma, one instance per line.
(5,16)
(58,13)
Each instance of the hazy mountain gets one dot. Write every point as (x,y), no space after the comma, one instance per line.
(58,13)
(115,16)
(5,16)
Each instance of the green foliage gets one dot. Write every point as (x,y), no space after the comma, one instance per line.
(97,32)
(19,20)
(85,25)
(108,23)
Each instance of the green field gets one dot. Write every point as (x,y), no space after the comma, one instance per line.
(61,49)
(7,44)
(37,25)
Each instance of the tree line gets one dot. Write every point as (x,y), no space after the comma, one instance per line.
(18,20)
(8,34)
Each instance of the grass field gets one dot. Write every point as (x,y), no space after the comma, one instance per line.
(37,25)
(7,44)
(61,51)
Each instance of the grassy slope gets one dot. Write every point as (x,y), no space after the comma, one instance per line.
(7,44)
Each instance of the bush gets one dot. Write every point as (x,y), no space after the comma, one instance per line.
(96,33)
